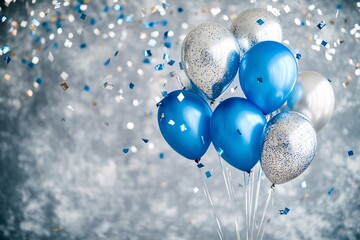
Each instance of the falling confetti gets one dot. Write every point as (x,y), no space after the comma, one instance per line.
(285,211)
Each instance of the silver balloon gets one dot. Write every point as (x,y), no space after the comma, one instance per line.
(210,56)
(288,147)
(255,25)
(314,97)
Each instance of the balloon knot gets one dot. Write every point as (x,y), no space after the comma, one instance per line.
(273,186)
(197,160)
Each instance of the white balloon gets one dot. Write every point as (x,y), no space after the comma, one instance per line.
(314,97)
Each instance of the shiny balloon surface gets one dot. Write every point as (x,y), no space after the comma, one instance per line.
(288,148)
(210,56)
(255,25)
(268,73)
(236,131)
(314,97)
(184,121)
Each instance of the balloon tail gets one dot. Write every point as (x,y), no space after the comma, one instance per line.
(212,208)
(258,183)
(265,211)
(230,194)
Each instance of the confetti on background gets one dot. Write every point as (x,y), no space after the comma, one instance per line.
(85,178)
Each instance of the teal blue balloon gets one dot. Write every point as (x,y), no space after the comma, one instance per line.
(268,73)
(184,121)
(236,132)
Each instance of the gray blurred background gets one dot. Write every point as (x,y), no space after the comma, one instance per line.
(64,173)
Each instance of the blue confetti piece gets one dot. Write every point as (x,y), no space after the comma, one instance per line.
(200,165)
(321,25)
(238,131)
(150,24)
(260,21)
(166,34)
(38,81)
(159,67)
(7,59)
(147,53)
(331,190)
(131,85)
(106,9)
(106,63)
(298,56)
(116,53)
(171,62)
(220,151)
(56,45)
(161,156)
(83,45)
(259,79)
(180,10)
(166,56)
(92,21)
(83,16)
(350,153)
(339,6)
(146,61)
(121,16)
(164,22)
(208,174)
(86,88)
(324,43)
(164,93)
(23,61)
(3,19)
(125,150)
(167,44)
(284,211)
(145,140)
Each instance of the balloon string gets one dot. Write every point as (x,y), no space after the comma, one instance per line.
(212,208)
(230,194)
(225,178)
(246,207)
(265,211)
(251,198)
(258,183)
(265,224)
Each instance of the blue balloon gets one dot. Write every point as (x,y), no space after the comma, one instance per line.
(268,73)
(184,121)
(236,131)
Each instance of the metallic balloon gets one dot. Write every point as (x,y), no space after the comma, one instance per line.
(289,146)
(236,127)
(210,56)
(268,73)
(255,25)
(184,122)
(314,97)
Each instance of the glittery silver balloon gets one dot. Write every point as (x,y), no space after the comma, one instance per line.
(210,56)
(255,25)
(314,97)
(288,147)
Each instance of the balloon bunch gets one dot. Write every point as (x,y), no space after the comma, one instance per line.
(212,55)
